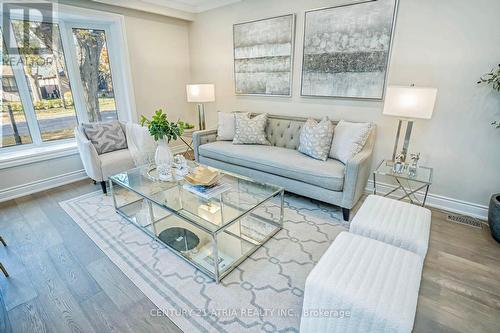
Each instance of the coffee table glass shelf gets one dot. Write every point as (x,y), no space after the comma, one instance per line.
(409,184)
(226,228)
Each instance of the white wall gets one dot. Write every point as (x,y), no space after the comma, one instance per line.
(159,59)
(446,44)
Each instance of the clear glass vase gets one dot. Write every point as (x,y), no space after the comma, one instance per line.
(163,160)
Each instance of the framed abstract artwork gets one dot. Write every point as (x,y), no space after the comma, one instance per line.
(263,56)
(346,50)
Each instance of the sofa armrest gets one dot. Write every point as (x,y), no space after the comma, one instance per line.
(89,156)
(357,172)
(202,137)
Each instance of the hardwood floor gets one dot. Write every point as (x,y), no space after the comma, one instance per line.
(62,282)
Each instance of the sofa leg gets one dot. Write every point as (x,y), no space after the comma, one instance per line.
(103,186)
(346,212)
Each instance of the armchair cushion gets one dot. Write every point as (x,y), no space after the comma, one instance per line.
(115,162)
(106,137)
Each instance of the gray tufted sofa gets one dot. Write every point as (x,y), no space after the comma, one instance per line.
(282,164)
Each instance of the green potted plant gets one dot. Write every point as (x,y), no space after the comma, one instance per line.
(493,78)
(163,131)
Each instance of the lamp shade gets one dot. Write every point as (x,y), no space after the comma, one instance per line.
(200,93)
(410,102)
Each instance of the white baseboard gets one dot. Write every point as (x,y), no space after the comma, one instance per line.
(437,201)
(41,185)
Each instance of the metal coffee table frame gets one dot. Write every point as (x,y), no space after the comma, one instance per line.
(216,275)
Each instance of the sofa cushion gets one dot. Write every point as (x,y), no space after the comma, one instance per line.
(348,139)
(225,126)
(284,162)
(115,162)
(250,130)
(316,138)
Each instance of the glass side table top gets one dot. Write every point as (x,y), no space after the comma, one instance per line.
(423,174)
(210,215)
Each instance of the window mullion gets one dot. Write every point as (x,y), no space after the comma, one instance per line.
(73,71)
(24,92)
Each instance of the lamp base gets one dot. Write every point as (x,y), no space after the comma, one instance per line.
(406,143)
(201,116)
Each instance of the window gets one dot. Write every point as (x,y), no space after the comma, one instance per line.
(59,72)
(95,73)
(48,82)
(14,129)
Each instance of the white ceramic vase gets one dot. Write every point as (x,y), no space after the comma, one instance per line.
(163,160)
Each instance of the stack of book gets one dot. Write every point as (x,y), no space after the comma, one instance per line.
(207,192)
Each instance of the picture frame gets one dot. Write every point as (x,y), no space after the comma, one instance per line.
(264,69)
(343,56)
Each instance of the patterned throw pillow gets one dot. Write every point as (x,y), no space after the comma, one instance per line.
(316,138)
(250,130)
(349,139)
(105,137)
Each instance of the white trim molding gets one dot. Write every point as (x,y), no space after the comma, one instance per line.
(41,185)
(436,201)
(37,154)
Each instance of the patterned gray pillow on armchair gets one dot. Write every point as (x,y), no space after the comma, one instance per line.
(316,138)
(106,137)
(250,130)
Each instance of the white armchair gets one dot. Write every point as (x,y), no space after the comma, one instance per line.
(100,167)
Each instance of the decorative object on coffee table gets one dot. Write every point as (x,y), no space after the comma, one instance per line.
(347,48)
(494,216)
(408,103)
(408,184)
(200,93)
(180,239)
(163,131)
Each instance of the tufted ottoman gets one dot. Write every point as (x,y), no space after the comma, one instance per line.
(394,222)
(362,285)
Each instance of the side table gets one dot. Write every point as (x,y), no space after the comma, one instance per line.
(409,184)
(187,139)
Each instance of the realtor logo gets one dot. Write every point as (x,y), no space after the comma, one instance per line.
(27,36)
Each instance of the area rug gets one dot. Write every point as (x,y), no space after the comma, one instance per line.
(263,294)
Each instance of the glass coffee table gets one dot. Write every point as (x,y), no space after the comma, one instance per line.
(409,184)
(224,229)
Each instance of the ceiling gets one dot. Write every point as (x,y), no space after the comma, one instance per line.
(191,6)
(170,7)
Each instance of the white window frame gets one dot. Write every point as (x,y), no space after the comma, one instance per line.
(67,18)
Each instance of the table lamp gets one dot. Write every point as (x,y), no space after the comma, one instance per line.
(408,103)
(200,93)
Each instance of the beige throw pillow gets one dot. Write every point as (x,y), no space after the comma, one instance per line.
(250,130)
(348,139)
(316,138)
(225,126)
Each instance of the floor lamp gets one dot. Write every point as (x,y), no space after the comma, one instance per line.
(408,103)
(200,93)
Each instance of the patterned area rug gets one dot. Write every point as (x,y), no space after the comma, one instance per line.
(263,294)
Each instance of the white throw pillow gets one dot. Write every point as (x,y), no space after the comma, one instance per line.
(250,130)
(316,138)
(225,126)
(348,139)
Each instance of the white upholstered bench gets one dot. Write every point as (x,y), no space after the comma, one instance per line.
(362,285)
(394,222)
